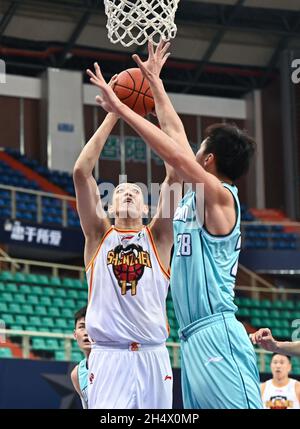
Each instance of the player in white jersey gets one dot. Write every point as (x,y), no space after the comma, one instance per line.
(127,270)
(281,392)
(79,374)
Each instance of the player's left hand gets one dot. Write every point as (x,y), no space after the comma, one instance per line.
(108,99)
(156,59)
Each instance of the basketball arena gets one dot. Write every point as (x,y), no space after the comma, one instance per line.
(149,204)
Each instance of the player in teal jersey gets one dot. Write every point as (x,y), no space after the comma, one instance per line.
(218,360)
(79,374)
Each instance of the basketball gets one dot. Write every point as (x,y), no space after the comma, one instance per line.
(134,91)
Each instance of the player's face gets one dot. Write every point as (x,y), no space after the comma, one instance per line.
(280,367)
(128,201)
(81,335)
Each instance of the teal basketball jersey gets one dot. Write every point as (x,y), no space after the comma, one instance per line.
(83,381)
(204,266)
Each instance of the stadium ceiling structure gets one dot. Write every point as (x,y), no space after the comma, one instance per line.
(222,47)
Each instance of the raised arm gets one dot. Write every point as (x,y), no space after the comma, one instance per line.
(167,116)
(264,338)
(167,148)
(93,219)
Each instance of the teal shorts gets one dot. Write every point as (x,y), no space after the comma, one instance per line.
(218,365)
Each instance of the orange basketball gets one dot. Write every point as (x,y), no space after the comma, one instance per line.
(134,91)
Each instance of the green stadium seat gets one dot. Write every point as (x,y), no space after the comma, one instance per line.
(246,302)
(59,355)
(54,281)
(60,293)
(297,304)
(277,332)
(35,320)
(25,289)
(285,323)
(43,329)
(295,314)
(37,290)
(40,310)
(5,353)
(27,309)
(32,279)
(285,333)
(77,284)
(49,291)
(33,300)
(289,305)
(20,277)
(38,344)
(11,287)
(73,294)
(275,314)
(67,313)
(83,294)
(6,297)
(47,322)
(255,303)
(14,308)
(46,301)
(53,312)
(84,285)
(31,328)
(286,314)
(277,305)
(70,324)
(58,302)
(17,328)
(264,312)
(256,321)
(52,344)
(6,276)
(255,312)
(276,323)
(2,287)
(42,279)
(243,312)
(81,303)
(265,303)
(21,320)
(3,307)
(8,319)
(19,298)
(61,323)
(70,303)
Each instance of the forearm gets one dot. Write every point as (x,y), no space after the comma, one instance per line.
(160,142)
(288,348)
(92,150)
(167,116)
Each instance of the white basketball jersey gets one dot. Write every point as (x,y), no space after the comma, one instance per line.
(128,287)
(280,397)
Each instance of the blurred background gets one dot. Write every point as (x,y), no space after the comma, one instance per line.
(232,61)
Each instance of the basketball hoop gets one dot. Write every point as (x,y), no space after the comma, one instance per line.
(137,21)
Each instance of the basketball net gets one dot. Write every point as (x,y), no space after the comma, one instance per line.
(137,21)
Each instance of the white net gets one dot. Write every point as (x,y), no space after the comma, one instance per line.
(137,21)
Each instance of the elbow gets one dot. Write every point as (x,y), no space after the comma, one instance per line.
(78,173)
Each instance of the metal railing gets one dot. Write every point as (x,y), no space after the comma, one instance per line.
(65,202)
(53,267)
(174,348)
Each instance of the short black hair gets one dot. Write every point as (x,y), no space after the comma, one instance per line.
(80,314)
(233,149)
(281,354)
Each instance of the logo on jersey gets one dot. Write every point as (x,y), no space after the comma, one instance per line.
(128,264)
(279,403)
(168,377)
(91,379)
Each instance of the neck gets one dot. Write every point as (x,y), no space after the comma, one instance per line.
(280,382)
(135,224)
(87,354)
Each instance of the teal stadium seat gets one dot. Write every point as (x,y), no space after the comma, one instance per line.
(25,289)
(5,353)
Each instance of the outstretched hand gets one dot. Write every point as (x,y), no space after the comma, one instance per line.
(108,99)
(156,60)
(264,338)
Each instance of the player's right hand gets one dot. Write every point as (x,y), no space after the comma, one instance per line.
(264,338)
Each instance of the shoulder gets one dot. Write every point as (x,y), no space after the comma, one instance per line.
(297,388)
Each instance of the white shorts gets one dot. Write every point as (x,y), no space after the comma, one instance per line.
(120,378)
